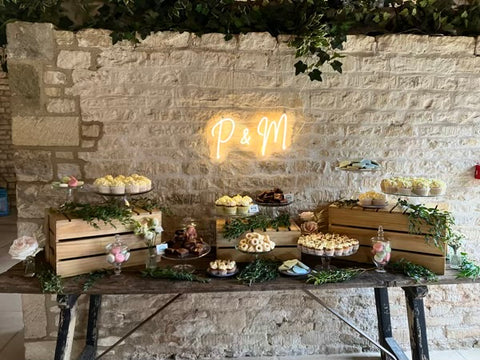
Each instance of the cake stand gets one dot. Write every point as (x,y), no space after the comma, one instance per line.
(325,259)
(69,191)
(183,266)
(255,254)
(123,197)
(272,209)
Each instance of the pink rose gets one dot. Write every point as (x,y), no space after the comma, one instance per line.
(309,227)
(23,247)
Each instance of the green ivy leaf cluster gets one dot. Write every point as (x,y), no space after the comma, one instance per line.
(333,275)
(235,228)
(172,274)
(469,269)
(416,272)
(318,27)
(260,270)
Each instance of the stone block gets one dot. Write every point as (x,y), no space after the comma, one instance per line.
(165,39)
(33,199)
(24,82)
(42,350)
(359,44)
(69,169)
(34,316)
(28,228)
(33,165)
(64,38)
(46,131)
(91,130)
(32,41)
(257,42)
(214,42)
(54,78)
(427,45)
(94,38)
(113,57)
(73,59)
(61,106)
(53,91)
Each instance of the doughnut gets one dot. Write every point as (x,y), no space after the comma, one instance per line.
(266,247)
(259,248)
(243,241)
(251,248)
(250,236)
(254,242)
(243,247)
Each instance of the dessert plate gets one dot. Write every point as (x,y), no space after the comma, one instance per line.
(373,206)
(211,273)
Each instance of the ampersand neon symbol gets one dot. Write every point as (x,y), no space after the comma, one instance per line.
(245,140)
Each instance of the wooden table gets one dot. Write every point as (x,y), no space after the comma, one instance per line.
(130,282)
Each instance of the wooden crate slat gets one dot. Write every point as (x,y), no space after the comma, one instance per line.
(84,247)
(283,253)
(434,263)
(77,228)
(400,241)
(370,218)
(85,265)
(281,237)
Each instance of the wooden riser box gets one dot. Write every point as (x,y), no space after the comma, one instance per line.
(285,244)
(75,247)
(362,224)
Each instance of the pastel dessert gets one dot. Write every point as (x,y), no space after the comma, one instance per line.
(421,186)
(255,243)
(370,198)
(327,244)
(222,267)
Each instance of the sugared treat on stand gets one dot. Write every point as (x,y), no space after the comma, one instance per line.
(121,184)
(372,198)
(255,243)
(68,182)
(238,205)
(358,164)
(327,244)
(274,196)
(186,242)
(222,267)
(381,250)
(413,186)
(294,267)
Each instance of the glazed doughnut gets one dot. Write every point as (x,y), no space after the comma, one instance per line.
(243,247)
(250,236)
(243,241)
(259,248)
(254,242)
(266,247)
(251,248)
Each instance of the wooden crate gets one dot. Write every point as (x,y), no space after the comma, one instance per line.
(75,247)
(362,224)
(285,240)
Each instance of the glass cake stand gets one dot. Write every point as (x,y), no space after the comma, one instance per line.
(272,209)
(325,259)
(255,254)
(183,266)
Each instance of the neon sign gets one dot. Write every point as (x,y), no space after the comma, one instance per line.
(263,134)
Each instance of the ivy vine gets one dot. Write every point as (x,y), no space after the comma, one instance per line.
(319,27)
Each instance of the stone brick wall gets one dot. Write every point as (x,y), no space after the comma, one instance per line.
(7,170)
(85,107)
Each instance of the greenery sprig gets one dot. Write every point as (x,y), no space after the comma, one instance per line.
(171,274)
(469,269)
(93,277)
(234,228)
(439,222)
(416,272)
(333,276)
(49,281)
(258,271)
(94,213)
(150,204)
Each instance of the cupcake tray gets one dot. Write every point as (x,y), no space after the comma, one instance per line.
(413,195)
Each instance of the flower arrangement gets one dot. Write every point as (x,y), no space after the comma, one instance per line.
(149,228)
(24,247)
(310,222)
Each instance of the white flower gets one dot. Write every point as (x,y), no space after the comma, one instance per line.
(149,235)
(23,247)
(154,222)
(307,216)
(158,229)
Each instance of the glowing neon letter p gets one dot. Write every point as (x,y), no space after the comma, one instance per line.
(220,138)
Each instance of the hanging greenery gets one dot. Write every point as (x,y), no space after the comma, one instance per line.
(319,27)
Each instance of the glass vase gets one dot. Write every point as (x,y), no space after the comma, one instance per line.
(117,254)
(29,266)
(455,259)
(151,261)
(381,250)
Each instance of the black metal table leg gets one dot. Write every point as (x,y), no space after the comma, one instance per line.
(66,326)
(385,327)
(89,352)
(416,321)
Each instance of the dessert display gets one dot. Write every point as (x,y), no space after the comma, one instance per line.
(255,243)
(68,182)
(381,250)
(321,244)
(372,199)
(294,267)
(222,268)
(274,196)
(359,165)
(237,205)
(121,184)
(186,243)
(413,186)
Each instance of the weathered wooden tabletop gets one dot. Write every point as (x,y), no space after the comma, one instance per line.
(130,281)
